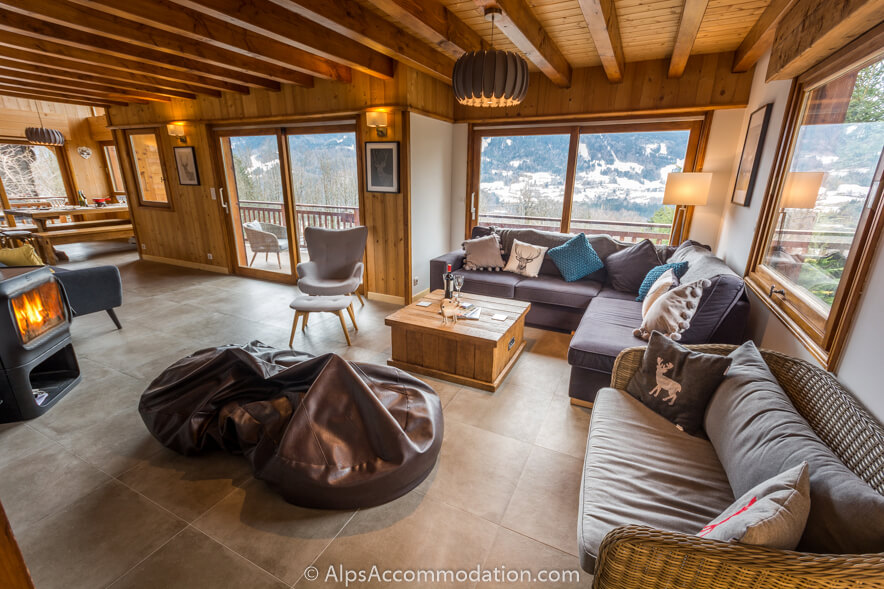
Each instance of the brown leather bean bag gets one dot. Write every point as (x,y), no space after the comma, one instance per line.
(324,432)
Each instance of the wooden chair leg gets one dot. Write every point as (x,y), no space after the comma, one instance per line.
(359,296)
(352,317)
(255,255)
(294,327)
(278,260)
(266,256)
(306,315)
(344,326)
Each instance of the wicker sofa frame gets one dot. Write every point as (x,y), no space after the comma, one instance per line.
(640,557)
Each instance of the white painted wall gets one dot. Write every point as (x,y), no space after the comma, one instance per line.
(458,184)
(430,158)
(861,360)
(724,136)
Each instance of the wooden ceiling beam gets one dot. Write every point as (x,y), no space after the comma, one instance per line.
(172,28)
(761,36)
(688,27)
(49,31)
(601,18)
(352,20)
(76,70)
(432,21)
(11,74)
(63,77)
(35,89)
(520,25)
(259,26)
(66,100)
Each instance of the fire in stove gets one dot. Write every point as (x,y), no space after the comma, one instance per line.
(38,311)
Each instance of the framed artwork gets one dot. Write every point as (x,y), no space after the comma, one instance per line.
(751,155)
(185,161)
(382,166)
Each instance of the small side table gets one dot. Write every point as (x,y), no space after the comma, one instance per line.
(304,305)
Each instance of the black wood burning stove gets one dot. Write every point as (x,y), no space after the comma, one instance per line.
(37,361)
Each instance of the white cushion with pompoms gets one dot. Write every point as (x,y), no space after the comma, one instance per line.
(671,313)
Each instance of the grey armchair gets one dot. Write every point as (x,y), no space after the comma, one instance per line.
(335,266)
(266,238)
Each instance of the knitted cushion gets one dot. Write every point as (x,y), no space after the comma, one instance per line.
(678,268)
(576,258)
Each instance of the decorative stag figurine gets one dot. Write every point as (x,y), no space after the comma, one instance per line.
(449,310)
(664,383)
(522,258)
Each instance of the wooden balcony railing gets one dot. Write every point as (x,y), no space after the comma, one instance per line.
(631,231)
(325,216)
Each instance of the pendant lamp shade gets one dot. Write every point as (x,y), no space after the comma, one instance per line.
(44,136)
(490,78)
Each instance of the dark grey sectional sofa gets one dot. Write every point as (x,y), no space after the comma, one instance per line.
(601,317)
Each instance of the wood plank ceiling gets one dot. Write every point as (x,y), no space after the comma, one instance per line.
(108,52)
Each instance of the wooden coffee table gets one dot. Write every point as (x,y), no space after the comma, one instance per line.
(478,353)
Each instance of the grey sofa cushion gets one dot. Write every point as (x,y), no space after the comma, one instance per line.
(493,284)
(636,472)
(772,514)
(758,433)
(609,292)
(627,268)
(604,331)
(717,301)
(556,291)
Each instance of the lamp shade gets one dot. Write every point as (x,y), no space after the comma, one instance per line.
(490,78)
(44,136)
(687,188)
(801,190)
(376,118)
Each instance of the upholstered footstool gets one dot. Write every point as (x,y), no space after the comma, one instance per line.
(305,304)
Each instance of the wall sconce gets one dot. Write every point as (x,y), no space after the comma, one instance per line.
(378,120)
(177,130)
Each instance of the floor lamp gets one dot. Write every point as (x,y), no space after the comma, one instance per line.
(684,189)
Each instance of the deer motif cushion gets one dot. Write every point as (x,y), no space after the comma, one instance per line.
(677,383)
(671,313)
(771,514)
(525,259)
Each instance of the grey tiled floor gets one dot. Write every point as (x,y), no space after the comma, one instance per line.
(95,502)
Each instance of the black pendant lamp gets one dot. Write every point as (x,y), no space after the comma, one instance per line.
(490,78)
(41,135)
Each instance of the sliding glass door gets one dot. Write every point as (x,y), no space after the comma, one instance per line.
(279,181)
(255,203)
(325,179)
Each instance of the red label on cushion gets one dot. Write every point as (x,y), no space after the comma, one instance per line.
(711,527)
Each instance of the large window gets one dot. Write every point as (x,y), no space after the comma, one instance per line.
(32,173)
(148,164)
(811,250)
(605,178)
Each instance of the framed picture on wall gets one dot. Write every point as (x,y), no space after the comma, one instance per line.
(751,155)
(185,161)
(382,166)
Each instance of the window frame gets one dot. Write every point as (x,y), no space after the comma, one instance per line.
(133,166)
(824,335)
(107,168)
(697,123)
(61,157)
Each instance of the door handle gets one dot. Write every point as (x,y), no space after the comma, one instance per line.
(223,204)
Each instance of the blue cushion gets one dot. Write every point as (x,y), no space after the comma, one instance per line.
(576,258)
(678,268)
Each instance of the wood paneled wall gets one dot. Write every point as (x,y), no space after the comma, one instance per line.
(708,83)
(74,122)
(194,226)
